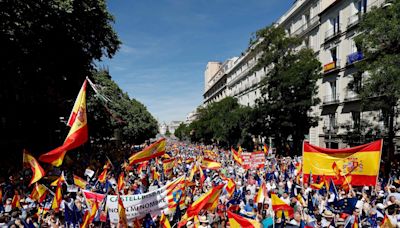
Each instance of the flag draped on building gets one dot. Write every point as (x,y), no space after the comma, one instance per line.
(237,221)
(78,134)
(361,162)
(154,150)
(37,170)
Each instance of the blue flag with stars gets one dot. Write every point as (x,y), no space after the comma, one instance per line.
(346,205)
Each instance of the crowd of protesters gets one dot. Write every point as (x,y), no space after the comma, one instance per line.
(280,175)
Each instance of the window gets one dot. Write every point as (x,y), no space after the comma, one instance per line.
(335,22)
(332,122)
(356,117)
(334,54)
(333,90)
(361,6)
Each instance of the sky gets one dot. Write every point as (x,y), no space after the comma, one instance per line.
(166,45)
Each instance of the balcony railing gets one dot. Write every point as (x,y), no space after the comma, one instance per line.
(353,20)
(331,66)
(333,32)
(330,126)
(307,26)
(330,99)
(351,97)
(354,57)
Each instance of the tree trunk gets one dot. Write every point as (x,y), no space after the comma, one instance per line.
(391,136)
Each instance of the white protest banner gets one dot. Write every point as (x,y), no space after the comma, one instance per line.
(253,159)
(137,206)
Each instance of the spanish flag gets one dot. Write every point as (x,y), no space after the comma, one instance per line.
(210,164)
(60,180)
(261,194)
(279,205)
(103,176)
(55,205)
(230,187)
(386,223)
(154,174)
(361,161)
(316,186)
(154,150)
(164,223)
(37,170)
(236,157)
(168,165)
(237,221)
(202,177)
(15,200)
(39,192)
(141,166)
(123,221)
(90,215)
(80,182)
(121,182)
(192,172)
(265,149)
(207,201)
(78,134)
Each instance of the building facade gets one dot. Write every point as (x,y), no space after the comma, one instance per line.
(328,27)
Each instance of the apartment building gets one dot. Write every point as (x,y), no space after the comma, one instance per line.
(329,28)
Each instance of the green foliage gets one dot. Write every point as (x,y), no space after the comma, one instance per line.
(224,122)
(47,50)
(181,132)
(289,89)
(167,132)
(380,42)
(122,117)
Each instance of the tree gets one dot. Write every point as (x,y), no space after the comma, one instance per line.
(167,132)
(47,49)
(181,131)
(379,40)
(288,90)
(224,122)
(116,115)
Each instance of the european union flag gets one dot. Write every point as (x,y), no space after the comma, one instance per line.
(346,205)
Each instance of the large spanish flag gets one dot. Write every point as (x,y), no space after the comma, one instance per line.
(237,221)
(37,170)
(154,150)
(210,164)
(362,162)
(78,134)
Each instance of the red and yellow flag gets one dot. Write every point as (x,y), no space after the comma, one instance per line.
(15,200)
(39,192)
(176,194)
(60,180)
(164,223)
(280,205)
(237,221)
(236,157)
(265,149)
(90,215)
(318,186)
(386,223)
(230,187)
(141,166)
(155,174)
(361,161)
(123,221)
(210,164)
(121,182)
(154,150)
(207,201)
(103,176)
(80,182)
(55,205)
(78,134)
(37,170)
(168,165)
(261,194)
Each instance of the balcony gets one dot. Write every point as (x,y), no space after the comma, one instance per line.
(353,20)
(331,99)
(333,32)
(307,26)
(332,66)
(351,96)
(330,126)
(354,57)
